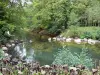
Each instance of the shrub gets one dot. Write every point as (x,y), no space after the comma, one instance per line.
(87,35)
(98,35)
(64,56)
(74,31)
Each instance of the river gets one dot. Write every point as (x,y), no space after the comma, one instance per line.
(44,51)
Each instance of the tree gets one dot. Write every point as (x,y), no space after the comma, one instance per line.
(3,22)
(51,15)
(12,19)
(77,12)
(93,13)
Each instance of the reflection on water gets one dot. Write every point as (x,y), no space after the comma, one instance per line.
(30,55)
(21,51)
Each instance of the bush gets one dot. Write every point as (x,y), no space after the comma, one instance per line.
(64,56)
(74,31)
(87,35)
(98,35)
(82,32)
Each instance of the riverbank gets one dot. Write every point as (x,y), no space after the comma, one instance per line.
(34,68)
(31,70)
(91,32)
(75,40)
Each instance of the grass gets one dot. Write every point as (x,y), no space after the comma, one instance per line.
(91,29)
(75,31)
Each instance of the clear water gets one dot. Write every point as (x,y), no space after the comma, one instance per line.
(44,51)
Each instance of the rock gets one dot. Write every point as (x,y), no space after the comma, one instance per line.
(78,41)
(12,44)
(11,41)
(79,66)
(85,40)
(55,39)
(20,73)
(66,65)
(60,35)
(58,39)
(5,48)
(46,66)
(43,72)
(49,39)
(6,54)
(15,60)
(30,41)
(64,39)
(8,45)
(94,70)
(92,42)
(68,39)
(73,68)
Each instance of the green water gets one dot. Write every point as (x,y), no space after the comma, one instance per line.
(44,51)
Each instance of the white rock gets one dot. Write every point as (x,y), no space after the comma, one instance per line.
(43,72)
(55,39)
(64,38)
(8,45)
(68,39)
(12,44)
(6,54)
(94,70)
(20,73)
(58,39)
(85,40)
(92,42)
(78,41)
(73,68)
(4,48)
(30,41)
(46,66)
(61,36)
(49,39)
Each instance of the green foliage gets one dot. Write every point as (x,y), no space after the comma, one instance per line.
(93,11)
(1,54)
(74,31)
(82,32)
(64,56)
(87,35)
(98,35)
(51,15)
(12,19)
(3,23)
(73,19)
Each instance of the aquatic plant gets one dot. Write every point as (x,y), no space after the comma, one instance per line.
(1,54)
(64,56)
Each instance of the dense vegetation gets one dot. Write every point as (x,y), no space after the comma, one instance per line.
(53,16)
(57,15)
(11,19)
(69,18)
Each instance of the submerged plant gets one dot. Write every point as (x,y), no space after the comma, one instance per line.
(1,54)
(64,56)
